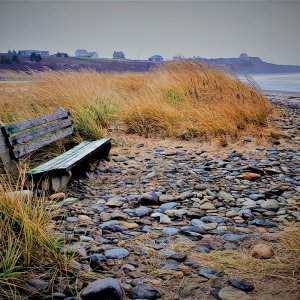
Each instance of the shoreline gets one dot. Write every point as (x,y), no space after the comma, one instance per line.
(283,93)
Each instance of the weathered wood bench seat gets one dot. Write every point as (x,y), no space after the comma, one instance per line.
(17,140)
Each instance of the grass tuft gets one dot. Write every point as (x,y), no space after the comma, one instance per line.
(28,243)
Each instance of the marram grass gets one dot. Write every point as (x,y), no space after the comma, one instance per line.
(182,97)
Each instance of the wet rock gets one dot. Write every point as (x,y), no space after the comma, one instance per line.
(129,225)
(179,256)
(201,249)
(207,206)
(70,201)
(150,175)
(249,203)
(229,293)
(97,261)
(108,224)
(262,251)
(57,196)
(120,159)
(210,273)
(145,292)
(270,204)
(215,292)
(168,206)
(72,219)
(185,292)
(115,202)
(166,252)
(164,219)
(86,239)
(232,237)
(225,196)
(150,198)
(166,198)
(116,253)
(85,219)
(192,231)
(108,288)
(260,222)
(241,284)
(38,284)
(249,176)
(197,222)
(185,195)
(213,219)
(170,231)
(104,217)
(113,170)
(143,211)
(170,265)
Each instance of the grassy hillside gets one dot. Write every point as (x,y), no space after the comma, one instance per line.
(180,98)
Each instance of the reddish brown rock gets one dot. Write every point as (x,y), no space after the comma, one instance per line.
(262,251)
(249,176)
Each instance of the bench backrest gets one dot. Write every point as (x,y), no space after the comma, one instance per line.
(25,137)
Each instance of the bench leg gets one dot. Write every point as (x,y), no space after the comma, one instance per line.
(59,183)
(50,183)
(103,152)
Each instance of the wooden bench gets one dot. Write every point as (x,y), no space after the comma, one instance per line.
(17,140)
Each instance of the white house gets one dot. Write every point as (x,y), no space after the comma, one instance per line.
(85,53)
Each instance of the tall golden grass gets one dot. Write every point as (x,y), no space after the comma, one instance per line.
(28,242)
(182,97)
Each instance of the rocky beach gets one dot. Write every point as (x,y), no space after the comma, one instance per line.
(171,219)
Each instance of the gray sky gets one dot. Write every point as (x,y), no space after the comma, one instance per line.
(268,29)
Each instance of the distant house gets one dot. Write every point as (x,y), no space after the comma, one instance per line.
(244,56)
(93,55)
(61,54)
(156,58)
(118,55)
(81,53)
(29,52)
(85,53)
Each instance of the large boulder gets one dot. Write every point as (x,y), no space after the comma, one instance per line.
(108,289)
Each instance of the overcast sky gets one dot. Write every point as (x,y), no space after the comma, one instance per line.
(268,29)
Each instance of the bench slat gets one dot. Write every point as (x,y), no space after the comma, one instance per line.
(71,158)
(27,148)
(91,148)
(29,135)
(14,128)
(49,165)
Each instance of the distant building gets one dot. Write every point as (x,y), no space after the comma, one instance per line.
(118,55)
(61,54)
(244,55)
(29,52)
(81,53)
(156,58)
(93,55)
(85,53)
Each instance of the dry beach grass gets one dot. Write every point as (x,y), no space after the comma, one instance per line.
(180,98)
(28,241)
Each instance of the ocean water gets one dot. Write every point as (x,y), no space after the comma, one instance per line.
(276,82)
